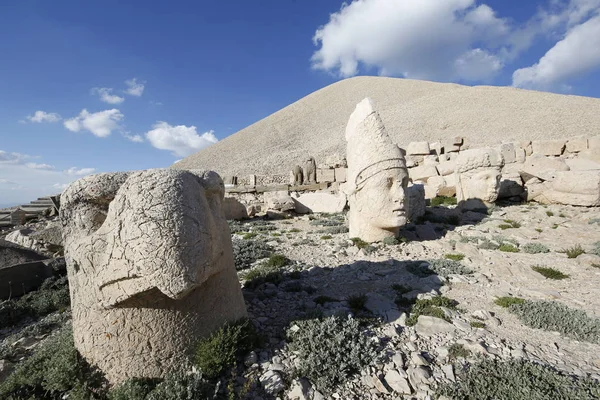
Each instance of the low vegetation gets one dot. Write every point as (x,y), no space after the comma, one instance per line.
(330,350)
(509,224)
(517,380)
(443,201)
(456,351)
(535,248)
(573,252)
(246,252)
(508,301)
(477,324)
(441,266)
(549,273)
(553,316)
(357,302)
(455,257)
(431,307)
(508,248)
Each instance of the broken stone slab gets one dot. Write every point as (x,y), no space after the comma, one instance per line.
(582,164)
(429,326)
(279,201)
(548,147)
(542,167)
(446,167)
(416,204)
(575,145)
(382,306)
(325,175)
(418,149)
(340,174)
(319,202)
(233,209)
(272,382)
(577,188)
(507,150)
(594,143)
(422,173)
(434,184)
(398,382)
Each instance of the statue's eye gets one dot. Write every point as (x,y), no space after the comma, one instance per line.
(390,182)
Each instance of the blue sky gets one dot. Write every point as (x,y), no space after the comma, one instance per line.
(100,86)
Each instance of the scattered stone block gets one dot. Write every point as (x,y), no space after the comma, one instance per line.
(581,164)
(429,326)
(340,174)
(548,147)
(430,160)
(520,155)
(233,209)
(446,167)
(542,167)
(507,150)
(418,149)
(325,175)
(434,184)
(435,148)
(415,196)
(592,155)
(576,188)
(319,203)
(422,173)
(594,143)
(575,145)
(398,382)
(279,201)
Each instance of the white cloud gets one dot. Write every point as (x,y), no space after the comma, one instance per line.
(134,88)
(24,181)
(134,138)
(101,123)
(39,166)
(74,171)
(42,116)
(452,40)
(107,96)
(423,39)
(181,140)
(576,54)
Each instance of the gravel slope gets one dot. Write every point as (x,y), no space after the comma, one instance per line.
(411,110)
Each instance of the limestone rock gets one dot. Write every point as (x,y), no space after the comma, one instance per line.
(272,382)
(319,202)
(507,150)
(478,177)
(575,145)
(417,149)
(398,382)
(548,147)
(150,267)
(446,167)
(429,326)
(233,209)
(279,201)
(377,177)
(541,167)
(422,173)
(577,188)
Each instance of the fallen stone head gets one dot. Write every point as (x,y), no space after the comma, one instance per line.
(478,174)
(150,267)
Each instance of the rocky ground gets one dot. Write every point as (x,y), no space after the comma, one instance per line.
(325,272)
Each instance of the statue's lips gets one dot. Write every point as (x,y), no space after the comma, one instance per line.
(399,211)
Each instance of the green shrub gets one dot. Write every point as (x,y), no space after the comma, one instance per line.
(447,267)
(357,302)
(246,252)
(277,261)
(133,389)
(508,248)
(573,252)
(457,350)
(507,301)
(535,248)
(53,295)
(549,213)
(517,380)
(455,257)
(596,249)
(358,242)
(477,324)
(294,230)
(53,371)
(249,235)
(430,307)
(553,316)
(326,237)
(330,350)
(391,241)
(176,386)
(219,352)
(594,221)
(443,200)
(334,230)
(554,226)
(549,273)
(594,265)
(488,245)
(539,230)
(262,274)
(512,223)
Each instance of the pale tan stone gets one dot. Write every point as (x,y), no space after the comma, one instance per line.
(548,147)
(319,202)
(422,173)
(418,149)
(507,150)
(340,174)
(575,145)
(478,177)
(233,209)
(325,175)
(577,188)
(446,168)
(542,167)
(377,177)
(415,201)
(150,268)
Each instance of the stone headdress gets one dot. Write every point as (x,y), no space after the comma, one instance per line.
(469,160)
(369,148)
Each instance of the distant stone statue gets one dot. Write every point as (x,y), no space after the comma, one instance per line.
(477,175)
(297,177)
(150,267)
(377,177)
(310,171)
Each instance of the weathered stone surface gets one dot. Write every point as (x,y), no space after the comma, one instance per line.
(435,148)
(520,155)
(577,188)
(23,238)
(417,149)
(297,176)
(377,177)
(325,175)
(279,201)
(310,171)
(415,201)
(422,173)
(542,167)
(592,155)
(300,389)
(478,177)
(429,326)
(510,186)
(594,143)
(233,209)
(272,382)
(12,253)
(575,145)
(507,150)
(446,168)
(150,267)
(340,174)
(548,147)
(398,382)
(434,185)
(430,160)
(319,202)
(18,279)
(581,164)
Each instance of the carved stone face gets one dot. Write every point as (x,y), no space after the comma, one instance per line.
(379,206)
(154,235)
(481,183)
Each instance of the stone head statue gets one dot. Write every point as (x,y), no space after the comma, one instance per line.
(478,174)
(150,268)
(377,177)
